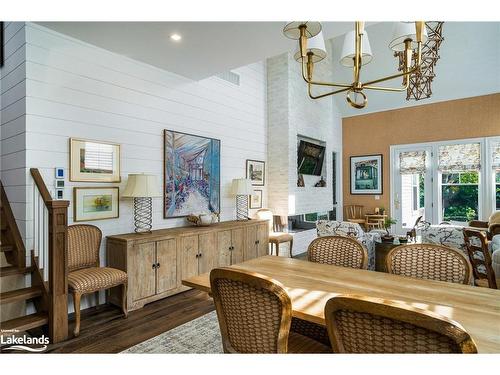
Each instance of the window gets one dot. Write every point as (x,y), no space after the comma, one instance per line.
(460,196)
(497,188)
(418,191)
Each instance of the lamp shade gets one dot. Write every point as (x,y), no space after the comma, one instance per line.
(292,29)
(404,31)
(349,49)
(242,186)
(316,46)
(141,186)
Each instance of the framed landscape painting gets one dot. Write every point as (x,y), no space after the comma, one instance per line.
(95,203)
(94,161)
(256,199)
(191,174)
(256,172)
(366,175)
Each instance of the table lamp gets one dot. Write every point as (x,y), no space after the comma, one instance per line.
(143,188)
(242,188)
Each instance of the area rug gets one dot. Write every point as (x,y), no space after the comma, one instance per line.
(199,336)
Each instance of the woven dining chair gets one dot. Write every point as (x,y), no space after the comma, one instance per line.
(254,313)
(375,325)
(429,261)
(84,274)
(480,258)
(338,251)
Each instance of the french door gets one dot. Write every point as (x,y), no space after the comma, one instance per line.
(412,191)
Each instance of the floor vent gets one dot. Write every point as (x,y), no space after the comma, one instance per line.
(229,77)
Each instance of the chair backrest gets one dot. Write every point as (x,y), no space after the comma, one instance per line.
(429,261)
(84,242)
(353,211)
(373,325)
(479,256)
(276,223)
(338,251)
(254,311)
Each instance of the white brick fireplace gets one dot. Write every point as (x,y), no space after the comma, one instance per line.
(292,115)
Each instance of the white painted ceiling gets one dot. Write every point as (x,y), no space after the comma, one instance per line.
(206,48)
(469,66)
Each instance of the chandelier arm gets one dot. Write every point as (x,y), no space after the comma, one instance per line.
(403,74)
(309,86)
(318,83)
(394,89)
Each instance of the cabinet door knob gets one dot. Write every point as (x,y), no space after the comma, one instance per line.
(200,255)
(154,266)
(157,265)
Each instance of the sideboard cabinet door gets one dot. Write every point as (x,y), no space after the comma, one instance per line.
(238,244)
(166,261)
(250,251)
(208,252)
(189,256)
(262,240)
(224,248)
(141,272)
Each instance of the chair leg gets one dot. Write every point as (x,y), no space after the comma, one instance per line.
(124,300)
(76,303)
(277,244)
(96,297)
(291,246)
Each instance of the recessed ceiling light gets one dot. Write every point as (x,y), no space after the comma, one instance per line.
(175,37)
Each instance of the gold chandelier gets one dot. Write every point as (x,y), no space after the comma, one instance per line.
(408,38)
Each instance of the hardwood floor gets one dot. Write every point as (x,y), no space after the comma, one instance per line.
(104,330)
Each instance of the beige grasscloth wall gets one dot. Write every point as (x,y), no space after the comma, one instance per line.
(374,133)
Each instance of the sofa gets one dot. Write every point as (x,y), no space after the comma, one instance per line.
(347,229)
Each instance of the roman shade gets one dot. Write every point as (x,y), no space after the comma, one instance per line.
(411,162)
(460,157)
(495,153)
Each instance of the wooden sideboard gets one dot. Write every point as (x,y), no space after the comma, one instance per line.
(157,262)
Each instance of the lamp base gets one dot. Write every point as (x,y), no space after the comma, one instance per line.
(242,207)
(143,218)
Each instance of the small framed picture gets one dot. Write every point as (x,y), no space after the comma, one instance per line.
(366,175)
(59,194)
(94,161)
(256,199)
(60,184)
(59,173)
(256,172)
(95,203)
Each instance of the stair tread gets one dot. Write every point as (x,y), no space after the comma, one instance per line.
(14,270)
(24,323)
(20,294)
(6,247)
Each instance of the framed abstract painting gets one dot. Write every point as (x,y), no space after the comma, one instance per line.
(94,161)
(191,174)
(95,203)
(366,175)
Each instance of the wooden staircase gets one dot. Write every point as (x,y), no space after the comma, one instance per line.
(48,269)
(12,246)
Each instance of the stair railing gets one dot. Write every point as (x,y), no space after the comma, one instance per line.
(50,245)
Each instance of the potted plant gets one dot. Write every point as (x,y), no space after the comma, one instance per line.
(388,222)
(381,210)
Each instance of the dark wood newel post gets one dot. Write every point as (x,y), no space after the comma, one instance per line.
(58,270)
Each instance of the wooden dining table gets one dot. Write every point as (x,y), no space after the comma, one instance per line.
(310,285)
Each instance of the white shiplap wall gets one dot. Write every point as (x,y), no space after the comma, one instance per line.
(13,119)
(74,89)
